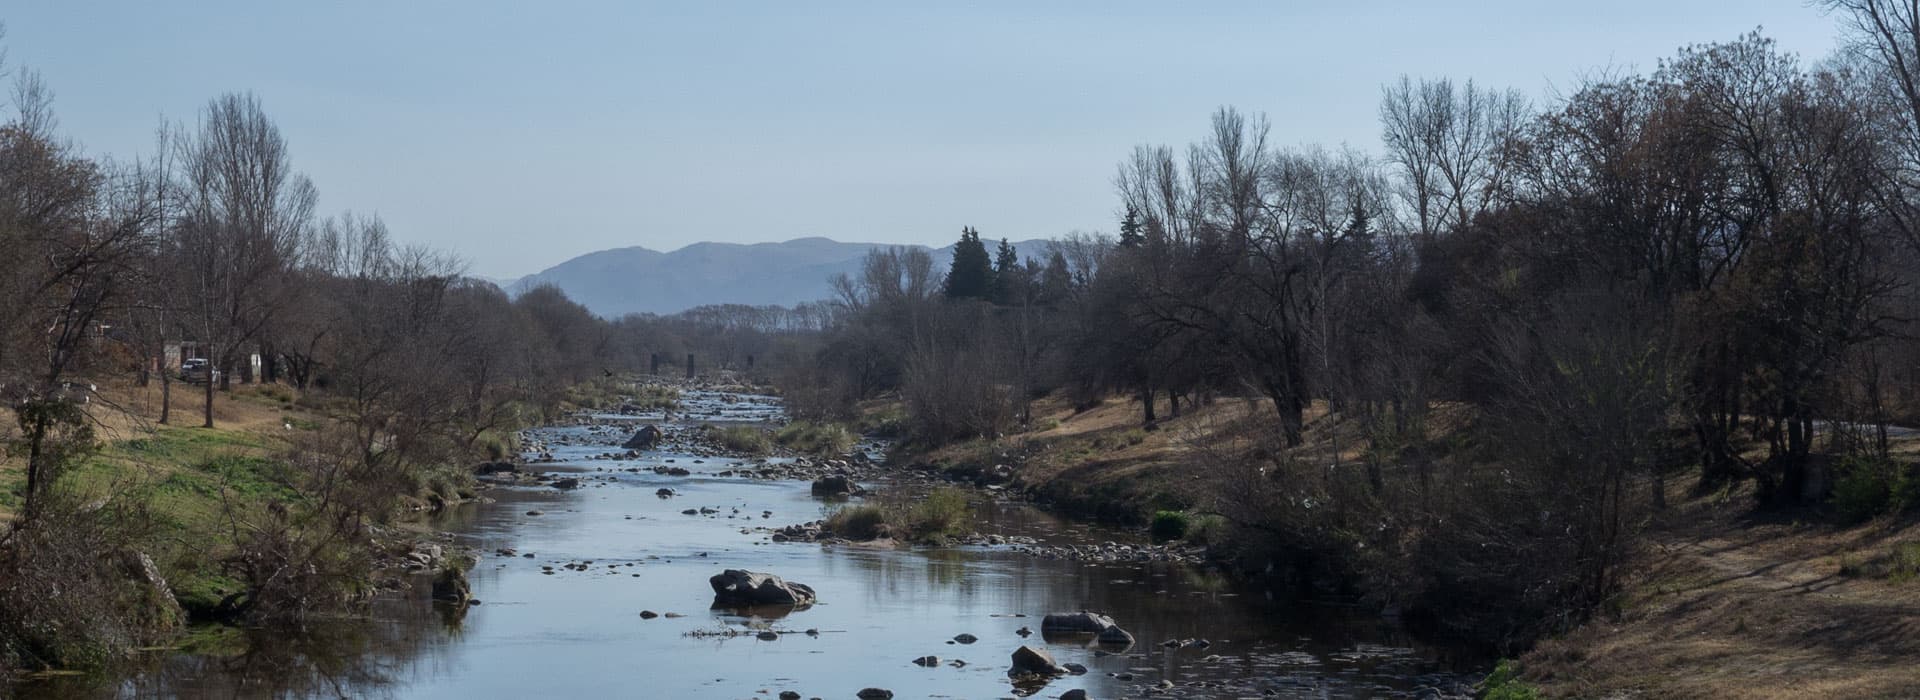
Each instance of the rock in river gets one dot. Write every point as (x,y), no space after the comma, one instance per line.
(1075,623)
(642,439)
(875,694)
(1030,661)
(738,588)
(834,486)
(1114,636)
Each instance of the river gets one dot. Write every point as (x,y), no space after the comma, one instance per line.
(565,622)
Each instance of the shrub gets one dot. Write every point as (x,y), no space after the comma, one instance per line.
(887,422)
(1207,530)
(942,513)
(1865,489)
(861,522)
(1169,525)
(1505,684)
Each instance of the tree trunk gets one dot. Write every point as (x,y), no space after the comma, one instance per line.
(166,394)
(208,406)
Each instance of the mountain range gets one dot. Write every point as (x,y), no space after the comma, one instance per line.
(620,281)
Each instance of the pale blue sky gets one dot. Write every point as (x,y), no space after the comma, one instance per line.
(521,134)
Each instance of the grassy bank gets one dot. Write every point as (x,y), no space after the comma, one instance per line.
(203,505)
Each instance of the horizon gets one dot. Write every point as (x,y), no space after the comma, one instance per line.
(517,139)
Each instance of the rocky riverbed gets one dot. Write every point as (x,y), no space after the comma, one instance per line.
(596,568)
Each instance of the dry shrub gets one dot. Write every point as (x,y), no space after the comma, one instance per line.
(72,596)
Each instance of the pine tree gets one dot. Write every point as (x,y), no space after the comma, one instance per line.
(1130,229)
(971,276)
(1056,281)
(1006,274)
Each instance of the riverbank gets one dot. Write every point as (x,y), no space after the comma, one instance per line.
(207,517)
(1726,603)
(605,588)
(1721,601)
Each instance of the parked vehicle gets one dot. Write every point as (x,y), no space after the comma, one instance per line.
(196,370)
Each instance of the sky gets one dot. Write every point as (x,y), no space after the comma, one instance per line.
(521,134)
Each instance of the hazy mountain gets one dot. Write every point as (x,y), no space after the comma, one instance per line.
(620,281)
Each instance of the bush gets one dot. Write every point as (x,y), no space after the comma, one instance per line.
(1865,489)
(886,422)
(942,513)
(1505,684)
(73,594)
(1169,525)
(816,438)
(861,522)
(752,441)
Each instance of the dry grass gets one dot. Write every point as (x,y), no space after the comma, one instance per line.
(1726,606)
(1723,603)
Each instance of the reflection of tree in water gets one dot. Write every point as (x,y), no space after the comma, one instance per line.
(369,656)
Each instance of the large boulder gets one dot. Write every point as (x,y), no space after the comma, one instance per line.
(1075,623)
(833,486)
(739,588)
(1028,661)
(643,438)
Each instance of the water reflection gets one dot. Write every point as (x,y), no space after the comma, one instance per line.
(560,631)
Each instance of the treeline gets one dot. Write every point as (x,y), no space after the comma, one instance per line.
(211,247)
(1524,319)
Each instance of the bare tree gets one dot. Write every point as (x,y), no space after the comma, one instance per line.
(242,215)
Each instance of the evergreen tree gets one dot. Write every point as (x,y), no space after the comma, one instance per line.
(1006,274)
(1056,281)
(1130,236)
(971,276)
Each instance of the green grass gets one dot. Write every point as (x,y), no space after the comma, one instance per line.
(941,513)
(1169,525)
(1505,684)
(816,438)
(187,478)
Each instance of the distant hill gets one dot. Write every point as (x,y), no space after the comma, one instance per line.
(620,281)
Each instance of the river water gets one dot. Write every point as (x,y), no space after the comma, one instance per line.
(566,623)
